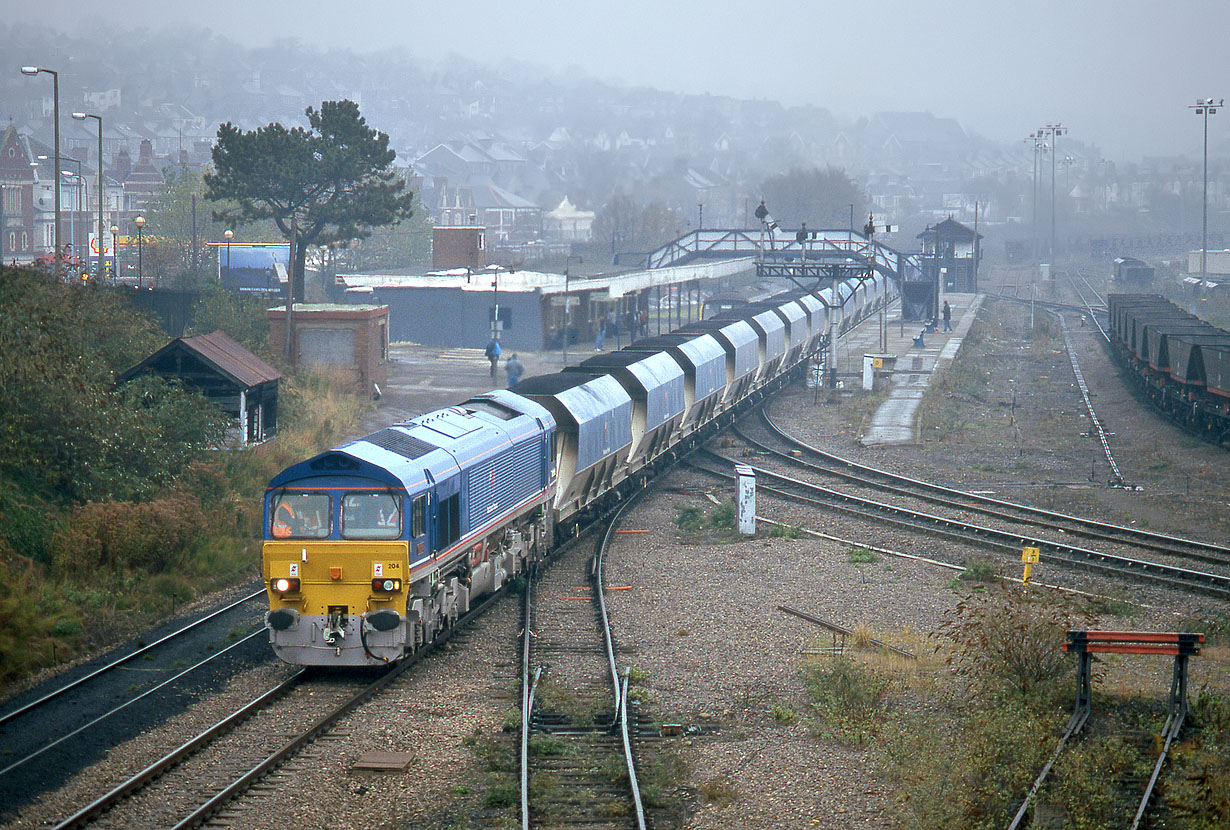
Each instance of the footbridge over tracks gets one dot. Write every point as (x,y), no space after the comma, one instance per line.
(820,254)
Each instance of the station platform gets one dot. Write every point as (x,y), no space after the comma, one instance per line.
(895,421)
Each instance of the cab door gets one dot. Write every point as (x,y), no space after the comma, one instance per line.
(419,547)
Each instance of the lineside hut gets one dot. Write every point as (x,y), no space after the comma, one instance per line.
(243,385)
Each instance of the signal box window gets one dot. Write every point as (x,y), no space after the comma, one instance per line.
(299,516)
(371,516)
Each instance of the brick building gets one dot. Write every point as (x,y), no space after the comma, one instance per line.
(351,341)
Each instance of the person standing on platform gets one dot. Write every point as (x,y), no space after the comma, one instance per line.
(513,369)
(493,355)
(947,317)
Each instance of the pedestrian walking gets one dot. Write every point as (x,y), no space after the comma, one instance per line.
(513,369)
(947,317)
(493,355)
(600,334)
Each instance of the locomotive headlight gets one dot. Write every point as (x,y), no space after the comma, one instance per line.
(387,586)
(285,585)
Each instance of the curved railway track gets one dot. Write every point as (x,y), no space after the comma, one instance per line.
(965,530)
(855,473)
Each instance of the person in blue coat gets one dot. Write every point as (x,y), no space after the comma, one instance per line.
(513,369)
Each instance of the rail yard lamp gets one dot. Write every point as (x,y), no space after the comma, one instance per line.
(1039,146)
(55,109)
(1204,107)
(81,116)
(1053,131)
(115,252)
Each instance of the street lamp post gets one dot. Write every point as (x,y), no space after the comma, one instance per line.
(1054,131)
(115,252)
(229,235)
(1205,107)
(55,106)
(81,116)
(72,226)
(140,223)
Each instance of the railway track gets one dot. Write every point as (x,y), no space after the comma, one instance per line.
(800,454)
(57,731)
(198,781)
(577,727)
(966,531)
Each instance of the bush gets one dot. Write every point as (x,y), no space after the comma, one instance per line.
(1009,641)
(862,556)
(847,698)
(979,570)
(723,516)
(689,519)
(118,536)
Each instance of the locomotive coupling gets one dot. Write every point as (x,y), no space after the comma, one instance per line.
(335,630)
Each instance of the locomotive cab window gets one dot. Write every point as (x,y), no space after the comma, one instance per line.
(371,516)
(418,517)
(299,516)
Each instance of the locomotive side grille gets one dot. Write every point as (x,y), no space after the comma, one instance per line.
(496,485)
(395,440)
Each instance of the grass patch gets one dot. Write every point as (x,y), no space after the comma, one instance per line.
(784,713)
(785,531)
(503,794)
(979,570)
(719,790)
(862,556)
(547,746)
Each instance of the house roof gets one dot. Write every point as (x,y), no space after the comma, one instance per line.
(220,353)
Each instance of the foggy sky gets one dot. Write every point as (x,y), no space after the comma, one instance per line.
(1118,73)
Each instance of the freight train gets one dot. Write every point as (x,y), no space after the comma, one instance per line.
(1181,362)
(373,548)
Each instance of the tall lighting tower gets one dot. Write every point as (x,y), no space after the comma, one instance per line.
(1205,107)
(1054,131)
(1039,145)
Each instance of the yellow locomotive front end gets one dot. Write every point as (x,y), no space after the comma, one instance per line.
(336,603)
(335,562)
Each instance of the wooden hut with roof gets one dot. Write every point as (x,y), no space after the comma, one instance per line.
(243,385)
